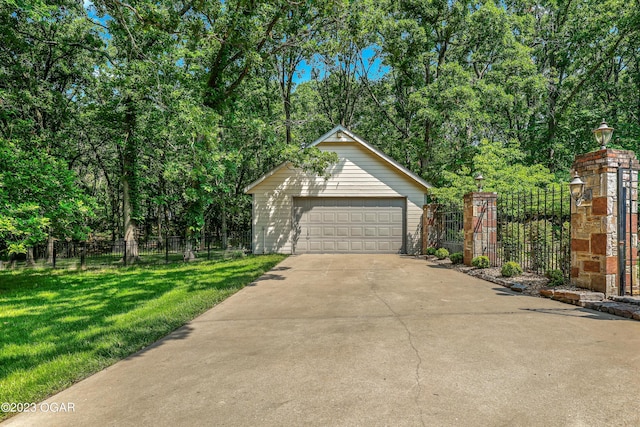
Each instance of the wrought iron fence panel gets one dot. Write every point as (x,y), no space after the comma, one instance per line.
(450,227)
(534,229)
(64,253)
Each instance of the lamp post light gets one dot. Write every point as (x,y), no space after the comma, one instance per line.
(603,134)
(479,178)
(578,191)
(576,187)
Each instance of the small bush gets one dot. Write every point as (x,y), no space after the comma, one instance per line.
(511,269)
(431,251)
(481,261)
(456,258)
(234,254)
(442,253)
(556,278)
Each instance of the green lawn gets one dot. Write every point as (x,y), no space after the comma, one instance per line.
(57,327)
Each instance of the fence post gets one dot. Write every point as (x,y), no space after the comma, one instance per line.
(124,253)
(429,235)
(208,247)
(595,253)
(480,226)
(83,250)
(54,255)
(166,247)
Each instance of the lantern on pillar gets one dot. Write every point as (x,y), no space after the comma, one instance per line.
(479,178)
(603,134)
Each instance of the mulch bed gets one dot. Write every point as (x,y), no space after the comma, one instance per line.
(533,282)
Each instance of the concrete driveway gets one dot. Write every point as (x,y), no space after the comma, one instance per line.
(371,340)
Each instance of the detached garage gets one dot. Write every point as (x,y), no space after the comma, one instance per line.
(370,204)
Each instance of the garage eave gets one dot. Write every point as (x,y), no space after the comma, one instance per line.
(249,188)
(375,151)
(406,172)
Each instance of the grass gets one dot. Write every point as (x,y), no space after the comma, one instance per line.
(57,326)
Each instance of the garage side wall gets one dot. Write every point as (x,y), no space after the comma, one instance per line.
(359,173)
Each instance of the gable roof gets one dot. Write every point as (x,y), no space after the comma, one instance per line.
(363,143)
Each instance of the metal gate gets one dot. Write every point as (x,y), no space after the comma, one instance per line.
(534,229)
(484,232)
(449,227)
(627,231)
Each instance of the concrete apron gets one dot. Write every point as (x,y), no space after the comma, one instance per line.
(371,340)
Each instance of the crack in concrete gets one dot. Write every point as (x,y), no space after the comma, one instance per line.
(416,398)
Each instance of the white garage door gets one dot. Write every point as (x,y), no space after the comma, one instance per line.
(348,225)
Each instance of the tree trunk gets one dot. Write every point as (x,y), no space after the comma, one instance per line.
(30,260)
(189,255)
(287,117)
(50,249)
(130,195)
(223,214)
(130,225)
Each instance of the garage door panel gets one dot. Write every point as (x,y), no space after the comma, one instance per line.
(315,246)
(370,217)
(328,217)
(342,231)
(314,231)
(328,231)
(370,231)
(370,246)
(343,225)
(356,217)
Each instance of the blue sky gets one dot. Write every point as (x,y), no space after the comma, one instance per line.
(376,68)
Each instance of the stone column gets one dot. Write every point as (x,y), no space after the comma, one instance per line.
(429,232)
(594,233)
(480,226)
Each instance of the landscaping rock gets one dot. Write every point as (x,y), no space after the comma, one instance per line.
(518,287)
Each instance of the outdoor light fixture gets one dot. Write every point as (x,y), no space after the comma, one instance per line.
(479,178)
(339,134)
(603,134)
(578,192)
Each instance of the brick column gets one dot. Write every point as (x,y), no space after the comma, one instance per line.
(480,231)
(594,234)
(429,233)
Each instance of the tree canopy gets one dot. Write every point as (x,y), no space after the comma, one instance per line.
(133,119)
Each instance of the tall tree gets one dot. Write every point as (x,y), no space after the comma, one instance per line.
(44,57)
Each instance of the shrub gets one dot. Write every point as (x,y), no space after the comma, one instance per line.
(234,254)
(456,258)
(431,251)
(556,278)
(511,269)
(481,261)
(442,253)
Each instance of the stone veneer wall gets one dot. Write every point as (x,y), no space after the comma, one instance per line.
(480,226)
(594,236)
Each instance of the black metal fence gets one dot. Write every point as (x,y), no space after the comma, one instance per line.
(449,227)
(534,230)
(68,254)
